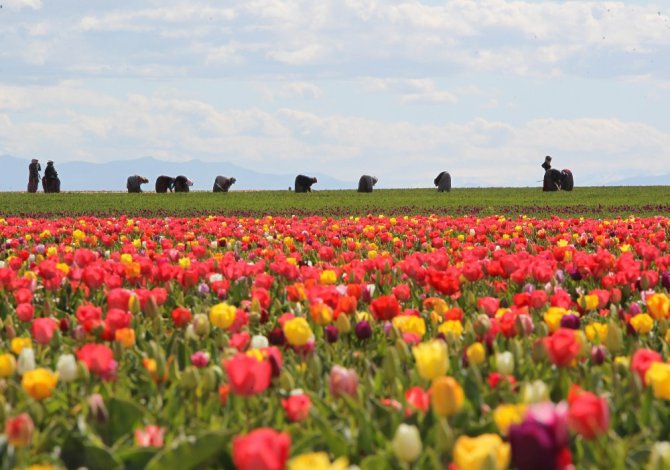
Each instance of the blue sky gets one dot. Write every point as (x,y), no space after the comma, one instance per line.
(398,89)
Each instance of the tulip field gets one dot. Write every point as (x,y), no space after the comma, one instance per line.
(379,339)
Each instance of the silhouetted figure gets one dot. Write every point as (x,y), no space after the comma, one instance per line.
(182,184)
(164,184)
(555,180)
(223,184)
(303,184)
(135,182)
(443,182)
(366,183)
(50,181)
(34,169)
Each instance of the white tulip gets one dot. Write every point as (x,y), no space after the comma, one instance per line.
(505,363)
(26,360)
(407,443)
(259,342)
(67,368)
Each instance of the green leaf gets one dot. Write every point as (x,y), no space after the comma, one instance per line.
(191,454)
(123,417)
(76,454)
(137,459)
(375,462)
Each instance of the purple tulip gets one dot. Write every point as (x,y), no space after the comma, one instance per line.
(538,441)
(363,330)
(598,355)
(634,309)
(331,333)
(570,321)
(665,279)
(276,337)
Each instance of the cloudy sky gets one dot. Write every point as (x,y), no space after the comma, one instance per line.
(400,89)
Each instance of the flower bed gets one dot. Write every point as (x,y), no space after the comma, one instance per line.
(377,342)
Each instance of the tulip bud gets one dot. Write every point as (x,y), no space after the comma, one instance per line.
(482,324)
(614,338)
(403,350)
(208,379)
(407,445)
(505,363)
(189,378)
(97,408)
(538,351)
(446,396)
(660,456)
(343,324)
(67,368)
(19,430)
(343,381)
(26,360)
(523,325)
(151,309)
(201,324)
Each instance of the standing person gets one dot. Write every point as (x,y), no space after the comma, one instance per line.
(50,182)
(34,169)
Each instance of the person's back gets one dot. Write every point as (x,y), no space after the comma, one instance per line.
(164,184)
(443,182)
(182,184)
(135,182)
(223,184)
(366,183)
(303,184)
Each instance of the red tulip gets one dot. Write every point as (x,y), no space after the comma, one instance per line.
(589,414)
(248,375)
(562,347)
(297,407)
(19,430)
(261,449)
(43,330)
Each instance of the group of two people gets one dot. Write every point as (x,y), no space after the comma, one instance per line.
(50,180)
(180,184)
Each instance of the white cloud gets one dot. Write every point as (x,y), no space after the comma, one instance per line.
(19,4)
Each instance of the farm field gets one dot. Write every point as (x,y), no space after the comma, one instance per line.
(334,330)
(587,202)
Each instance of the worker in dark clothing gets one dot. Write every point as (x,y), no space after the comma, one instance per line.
(366,183)
(443,182)
(223,184)
(50,181)
(34,169)
(303,184)
(135,182)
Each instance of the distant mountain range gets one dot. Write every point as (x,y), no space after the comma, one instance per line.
(111,176)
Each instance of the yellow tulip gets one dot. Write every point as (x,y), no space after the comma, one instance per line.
(7,365)
(297,331)
(222,315)
(476,354)
(642,323)
(658,305)
(447,396)
(431,359)
(507,414)
(658,376)
(317,461)
(39,383)
(487,451)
